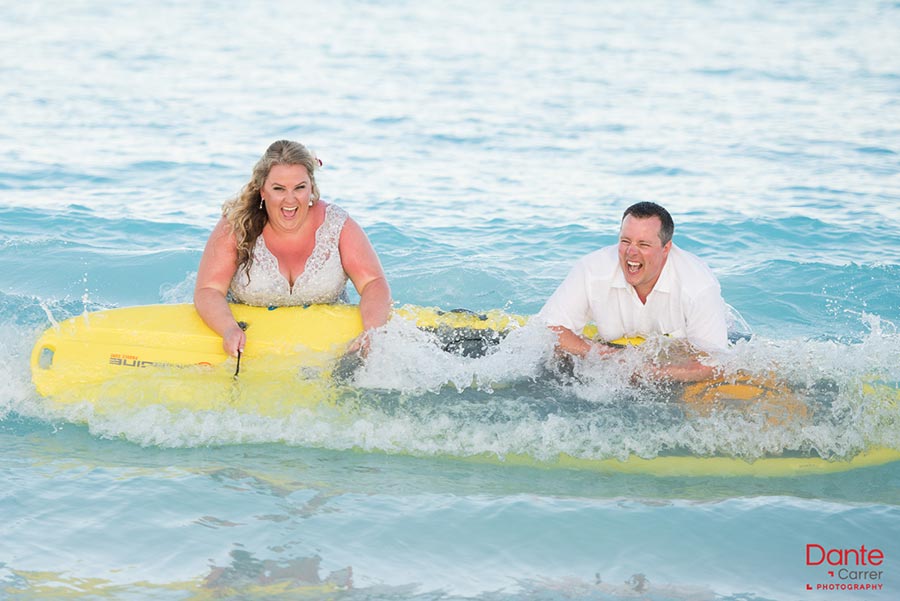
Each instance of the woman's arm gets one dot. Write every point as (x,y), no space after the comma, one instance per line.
(217,267)
(364,269)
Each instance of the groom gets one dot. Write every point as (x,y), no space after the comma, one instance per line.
(643,285)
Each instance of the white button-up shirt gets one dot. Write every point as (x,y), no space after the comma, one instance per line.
(686,301)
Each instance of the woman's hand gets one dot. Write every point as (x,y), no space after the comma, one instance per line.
(233,340)
(360,344)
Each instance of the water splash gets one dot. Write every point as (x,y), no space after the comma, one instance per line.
(411,397)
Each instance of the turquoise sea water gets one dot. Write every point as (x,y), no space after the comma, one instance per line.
(483,146)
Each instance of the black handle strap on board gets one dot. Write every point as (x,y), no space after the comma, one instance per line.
(243,325)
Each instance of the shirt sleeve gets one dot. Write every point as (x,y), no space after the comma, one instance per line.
(707,327)
(569,306)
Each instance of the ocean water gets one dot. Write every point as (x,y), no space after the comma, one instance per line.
(483,146)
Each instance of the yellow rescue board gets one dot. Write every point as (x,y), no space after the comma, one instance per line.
(97,347)
(165,355)
(697,466)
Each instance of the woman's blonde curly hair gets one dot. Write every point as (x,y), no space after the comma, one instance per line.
(245,213)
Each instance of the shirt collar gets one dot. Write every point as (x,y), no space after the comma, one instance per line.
(666,277)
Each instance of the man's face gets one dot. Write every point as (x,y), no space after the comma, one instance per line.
(641,254)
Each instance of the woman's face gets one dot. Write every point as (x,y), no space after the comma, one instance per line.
(286,192)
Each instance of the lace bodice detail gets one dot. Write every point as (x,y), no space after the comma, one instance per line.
(322,281)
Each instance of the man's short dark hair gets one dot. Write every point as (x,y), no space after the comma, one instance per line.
(643,210)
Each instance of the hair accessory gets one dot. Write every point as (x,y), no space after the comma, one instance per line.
(319,161)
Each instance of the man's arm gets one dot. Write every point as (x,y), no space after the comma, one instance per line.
(707,332)
(567,310)
(570,342)
(688,370)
